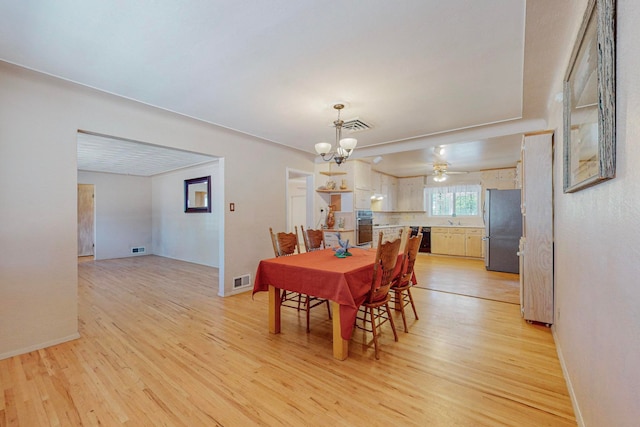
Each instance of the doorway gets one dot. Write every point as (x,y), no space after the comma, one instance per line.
(299,199)
(86,220)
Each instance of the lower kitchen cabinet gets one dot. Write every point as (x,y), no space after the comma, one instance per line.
(457,241)
(331,238)
(474,245)
(388,233)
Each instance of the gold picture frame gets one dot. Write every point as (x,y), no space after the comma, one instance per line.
(589,101)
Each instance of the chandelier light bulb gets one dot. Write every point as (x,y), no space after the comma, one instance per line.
(323,148)
(348,143)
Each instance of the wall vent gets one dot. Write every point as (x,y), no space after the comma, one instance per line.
(355,125)
(138,250)
(241,281)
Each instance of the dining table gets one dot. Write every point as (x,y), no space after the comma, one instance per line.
(345,281)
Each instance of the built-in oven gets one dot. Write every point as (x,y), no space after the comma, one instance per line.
(364,227)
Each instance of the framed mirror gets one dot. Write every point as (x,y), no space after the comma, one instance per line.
(197,194)
(589,101)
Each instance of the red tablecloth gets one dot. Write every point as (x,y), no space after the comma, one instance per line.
(343,280)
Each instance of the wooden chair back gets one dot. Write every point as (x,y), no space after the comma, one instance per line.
(383,269)
(285,243)
(313,239)
(411,249)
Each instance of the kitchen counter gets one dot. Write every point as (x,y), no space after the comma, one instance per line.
(457,226)
(441,226)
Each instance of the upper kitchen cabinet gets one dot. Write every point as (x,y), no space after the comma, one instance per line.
(411,194)
(362,175)
(384,189)
(501,179)
(362,184)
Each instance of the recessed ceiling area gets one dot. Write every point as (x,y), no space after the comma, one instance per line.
(491,153)
(97,153)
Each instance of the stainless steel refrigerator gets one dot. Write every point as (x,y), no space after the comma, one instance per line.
(503,228)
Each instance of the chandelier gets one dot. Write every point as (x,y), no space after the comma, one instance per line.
(344,146)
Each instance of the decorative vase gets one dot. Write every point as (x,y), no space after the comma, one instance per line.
(331,219)
(344,184)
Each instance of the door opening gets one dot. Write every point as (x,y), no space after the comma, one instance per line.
(86,222)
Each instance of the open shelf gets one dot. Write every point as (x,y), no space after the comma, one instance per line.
(332,173)
(334,191)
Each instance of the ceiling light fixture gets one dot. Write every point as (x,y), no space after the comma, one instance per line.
(344,146)
(440,172)
(440,176)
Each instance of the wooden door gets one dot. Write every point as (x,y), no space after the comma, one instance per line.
(85,219)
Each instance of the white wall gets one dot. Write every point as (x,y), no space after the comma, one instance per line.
(597,255)
(122,213)
(39,119)
(189,237)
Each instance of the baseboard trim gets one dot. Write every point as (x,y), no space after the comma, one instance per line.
(565,373)
(39,346)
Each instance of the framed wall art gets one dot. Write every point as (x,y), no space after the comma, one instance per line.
(590,99)
(197,195)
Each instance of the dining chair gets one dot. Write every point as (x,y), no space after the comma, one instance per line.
(401,286)
(375,309)
(313,239)
(287,244)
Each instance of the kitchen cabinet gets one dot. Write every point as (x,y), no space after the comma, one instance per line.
(411,194)
(362,198)
(331,237)
(375,181)
(473,244)
(536,245)
(390,233)
(457,241)
(361,175)
(501,179)
(387,186)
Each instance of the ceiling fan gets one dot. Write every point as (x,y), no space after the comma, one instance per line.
(441,172)
(440,165)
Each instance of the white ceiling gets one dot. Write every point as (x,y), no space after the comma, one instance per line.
(421,72)
(97,153)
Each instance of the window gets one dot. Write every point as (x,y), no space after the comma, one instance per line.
(457,200)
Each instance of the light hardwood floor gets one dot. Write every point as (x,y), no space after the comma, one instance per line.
(159,347)
(466,276)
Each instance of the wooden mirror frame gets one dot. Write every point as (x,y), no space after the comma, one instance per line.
(595,38)
(195,181)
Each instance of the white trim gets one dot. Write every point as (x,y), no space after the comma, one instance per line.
(40,346)
(565,373)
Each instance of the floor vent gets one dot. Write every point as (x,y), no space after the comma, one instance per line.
(241,281)
(355,125)
(138,250)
